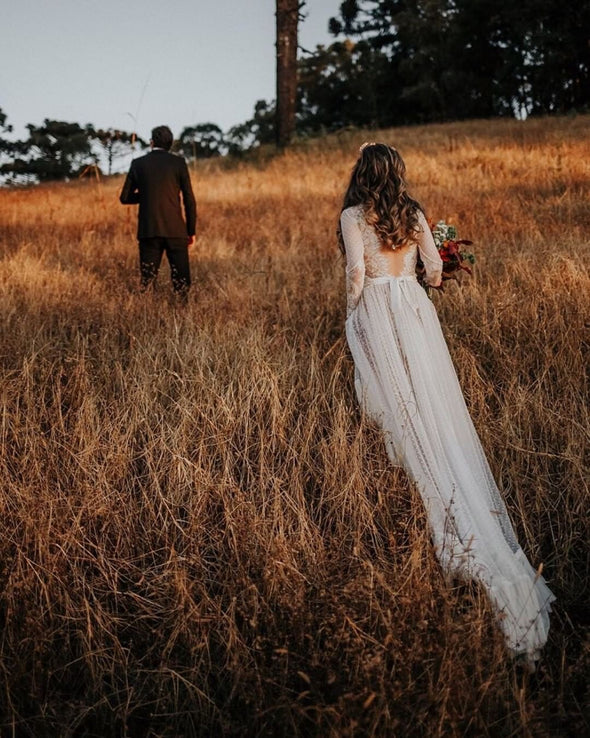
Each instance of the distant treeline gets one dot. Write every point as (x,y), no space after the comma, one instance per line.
(392,62)
(60,150)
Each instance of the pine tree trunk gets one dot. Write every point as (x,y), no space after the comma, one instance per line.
(287,17)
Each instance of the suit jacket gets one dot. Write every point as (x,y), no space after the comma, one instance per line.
(155,181)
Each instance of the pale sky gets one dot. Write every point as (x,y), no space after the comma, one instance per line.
(110,62)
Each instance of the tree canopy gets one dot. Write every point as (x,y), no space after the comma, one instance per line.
(409,61)
(115,144)
(54,150)
(202,141)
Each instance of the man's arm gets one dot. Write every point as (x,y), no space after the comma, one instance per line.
(130,192)
(188,200)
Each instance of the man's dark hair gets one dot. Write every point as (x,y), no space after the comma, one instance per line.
(162,137)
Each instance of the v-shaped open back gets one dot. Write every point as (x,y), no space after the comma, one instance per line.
(366,257)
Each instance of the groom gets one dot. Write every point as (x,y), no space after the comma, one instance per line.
(155,181)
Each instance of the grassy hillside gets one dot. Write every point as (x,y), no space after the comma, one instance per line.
(200,535)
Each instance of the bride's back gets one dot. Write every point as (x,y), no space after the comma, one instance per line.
(382,261)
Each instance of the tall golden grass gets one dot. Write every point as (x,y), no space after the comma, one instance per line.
(200,534)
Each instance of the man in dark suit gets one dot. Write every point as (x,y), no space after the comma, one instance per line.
(155,181)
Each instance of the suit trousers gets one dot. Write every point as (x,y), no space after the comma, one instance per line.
(150,257)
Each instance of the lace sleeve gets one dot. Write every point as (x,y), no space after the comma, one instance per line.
(429,254)
(355,260)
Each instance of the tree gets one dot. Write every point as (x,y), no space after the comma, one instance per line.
(202,141)
(115,144)
(449,59)
(260,129)
(436,59)
(338,87)
(287,17)
(55,150)
(4,127)
(5,145)
(556,53)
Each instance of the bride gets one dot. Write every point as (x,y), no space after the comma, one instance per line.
(405,381)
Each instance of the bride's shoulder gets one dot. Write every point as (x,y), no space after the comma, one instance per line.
(354,211)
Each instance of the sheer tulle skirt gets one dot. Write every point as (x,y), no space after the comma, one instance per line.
(405,381)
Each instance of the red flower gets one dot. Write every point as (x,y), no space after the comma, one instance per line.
(453,258)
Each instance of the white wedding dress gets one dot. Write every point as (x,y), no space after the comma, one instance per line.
(406,382)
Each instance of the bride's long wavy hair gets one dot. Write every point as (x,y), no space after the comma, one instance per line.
(378,184)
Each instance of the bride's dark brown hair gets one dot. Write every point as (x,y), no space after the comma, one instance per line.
(378,184)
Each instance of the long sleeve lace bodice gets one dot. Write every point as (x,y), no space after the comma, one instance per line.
(366,257)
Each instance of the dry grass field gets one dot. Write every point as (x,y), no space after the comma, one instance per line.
(199,533)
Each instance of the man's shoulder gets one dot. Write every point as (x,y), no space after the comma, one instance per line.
(160,157)
(178,159)
(139,160)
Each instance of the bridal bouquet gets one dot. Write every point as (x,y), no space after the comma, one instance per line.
(454,257)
